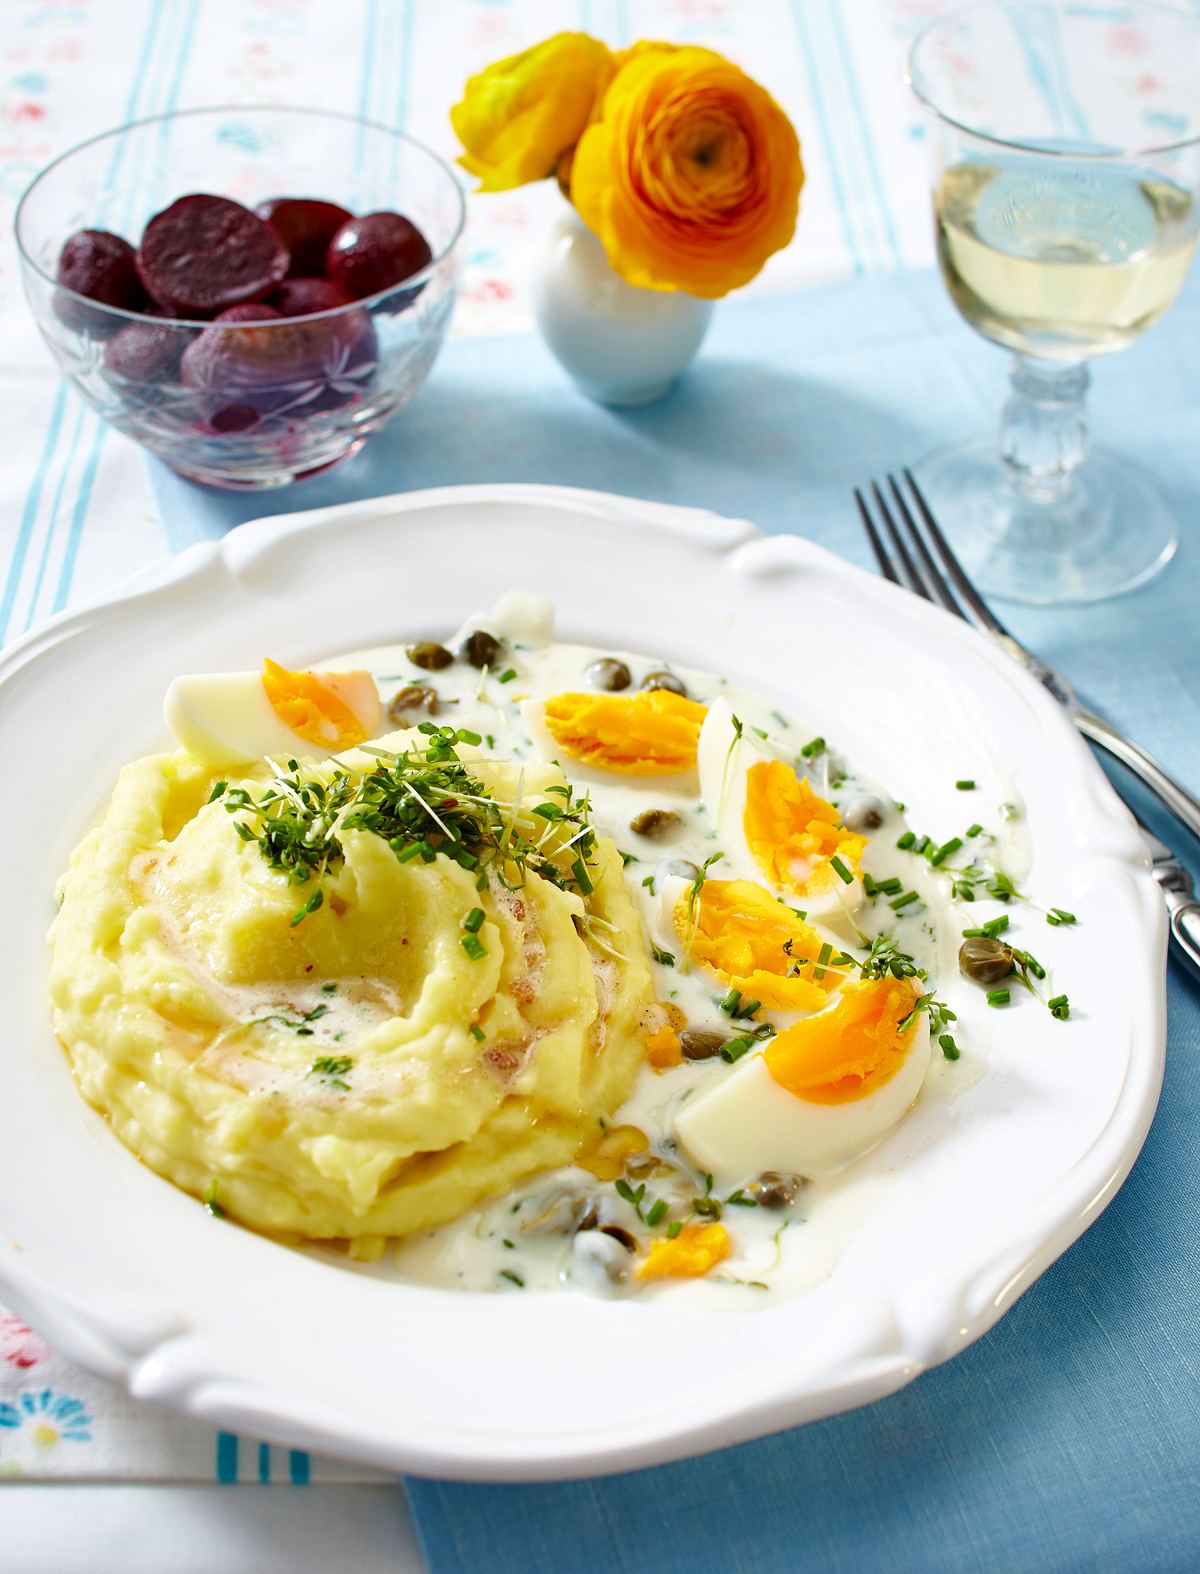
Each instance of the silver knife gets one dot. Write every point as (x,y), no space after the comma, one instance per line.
(1182,906)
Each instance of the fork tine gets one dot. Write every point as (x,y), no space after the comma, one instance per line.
(915,582)
(933,574)
(881,557)
(958,576)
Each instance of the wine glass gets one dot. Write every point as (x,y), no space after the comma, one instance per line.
(1066,173)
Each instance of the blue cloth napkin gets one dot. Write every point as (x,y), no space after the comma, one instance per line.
(1069,1438)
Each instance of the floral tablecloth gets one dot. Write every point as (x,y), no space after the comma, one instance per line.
(76,511)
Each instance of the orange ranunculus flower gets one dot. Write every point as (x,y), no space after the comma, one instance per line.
(520,115)
(691,175)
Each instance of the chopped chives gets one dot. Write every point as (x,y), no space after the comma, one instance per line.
(730,1002)
(1059,915)
(507,675)
(921,843)
(996,926)
(890,887)
(944,851)
(966,785)
(674,1228)
(735,1048)
(949,1048)
(899,902)
(869,886)
(1059,1007)
(477,1033)
(975,830)
(843,874)
(825,953)
(998,997)
(906,840)
(473,946)
(473,922)
(513,1278)
(972,934)
(814,747)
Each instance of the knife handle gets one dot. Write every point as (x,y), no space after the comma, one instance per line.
(1185,930)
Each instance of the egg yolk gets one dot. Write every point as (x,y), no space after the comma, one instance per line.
(793,833)
(849,1051)
(696,1249)
(652,733)
(757,944)
(312,707)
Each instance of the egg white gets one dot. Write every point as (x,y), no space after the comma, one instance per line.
(747,1122)
(723,762)
(225,718)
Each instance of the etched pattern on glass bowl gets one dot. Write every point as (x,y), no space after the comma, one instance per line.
(280,399)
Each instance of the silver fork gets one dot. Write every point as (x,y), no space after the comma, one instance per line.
(911,564)
(1178,888)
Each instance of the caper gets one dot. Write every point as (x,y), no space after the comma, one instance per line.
(699,1045)
(985,959)
(480,648)
(863,814)
(608,673)
(415,696)
(619,1233)
(773,1189)
(599,1263)
(430,655)
(665,680)
(642,1165)
(655,822)
(588,1219)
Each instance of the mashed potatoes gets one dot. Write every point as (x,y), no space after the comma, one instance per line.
(373,1049)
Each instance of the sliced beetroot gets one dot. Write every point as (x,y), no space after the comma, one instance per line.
(376,252)
(305,225)
(103,267)
(143,352)
(300,297)
(204,254)
(249,311)
(242,362)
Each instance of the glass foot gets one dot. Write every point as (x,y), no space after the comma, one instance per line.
(1112,532)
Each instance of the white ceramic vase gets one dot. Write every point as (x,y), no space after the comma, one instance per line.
(622,345)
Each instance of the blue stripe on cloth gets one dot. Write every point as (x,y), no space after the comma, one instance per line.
(365,75)
(176,64)
(264,1462)
(227,1458)
(832,159)
(868,138)
(81,411)
(29,513)
(299,1467)
(33,497)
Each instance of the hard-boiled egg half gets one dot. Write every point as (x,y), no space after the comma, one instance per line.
(652,733)
(817,1096)
(774,827)
(225,718)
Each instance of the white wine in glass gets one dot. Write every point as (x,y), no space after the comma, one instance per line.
(1066,175)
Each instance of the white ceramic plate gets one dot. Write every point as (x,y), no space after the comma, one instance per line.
(970,1200)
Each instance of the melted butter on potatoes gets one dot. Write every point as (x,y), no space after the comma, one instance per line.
(359,1073)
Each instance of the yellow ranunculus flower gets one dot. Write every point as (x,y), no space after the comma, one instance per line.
(691,175)
(520,115)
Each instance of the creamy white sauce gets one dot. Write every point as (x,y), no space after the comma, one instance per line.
(505,1244)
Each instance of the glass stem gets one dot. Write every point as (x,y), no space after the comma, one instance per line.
(1043,430)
